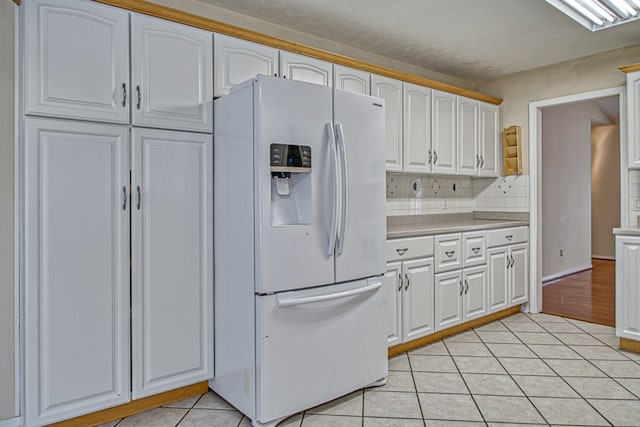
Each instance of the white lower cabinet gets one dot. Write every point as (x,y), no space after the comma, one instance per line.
(628,287)
(410,300)
(508,271)
(76,269)
(460,295)
(86,338)
(172,249)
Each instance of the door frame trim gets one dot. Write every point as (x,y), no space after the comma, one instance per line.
(535,177)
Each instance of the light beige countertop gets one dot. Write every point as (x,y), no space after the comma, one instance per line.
(627,231)
(424,225)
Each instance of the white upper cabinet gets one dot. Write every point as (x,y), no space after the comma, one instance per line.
(306,69)
(417,129)
(76,60)
(633,111)
(172,245)
(443,132)
(236,61)
(350,79)
(468,155)
(171,79)
(391,91)
(489,143)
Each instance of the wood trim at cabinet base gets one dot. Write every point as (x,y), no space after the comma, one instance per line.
(629,345)
(412,345)
(175,15)
(630,68)
(135,406)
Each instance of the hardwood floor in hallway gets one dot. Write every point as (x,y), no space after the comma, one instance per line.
(588,295)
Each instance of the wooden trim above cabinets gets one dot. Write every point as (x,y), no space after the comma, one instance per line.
(168,13)
(17,2)
(630,68)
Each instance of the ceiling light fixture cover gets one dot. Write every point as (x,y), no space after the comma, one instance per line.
(599,14)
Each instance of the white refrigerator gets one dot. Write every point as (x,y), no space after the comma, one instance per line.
(299,235)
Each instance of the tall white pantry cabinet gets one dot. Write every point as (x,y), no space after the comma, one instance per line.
(118,186)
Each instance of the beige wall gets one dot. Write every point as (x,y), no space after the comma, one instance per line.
(7,353)
(605,189)
(566,186)
(264,27)
(568,78)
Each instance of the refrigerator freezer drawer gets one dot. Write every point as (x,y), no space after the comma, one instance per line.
(316,345)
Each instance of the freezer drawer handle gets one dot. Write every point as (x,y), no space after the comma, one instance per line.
(290,302)
(450,253)
(402,251)
(475,250)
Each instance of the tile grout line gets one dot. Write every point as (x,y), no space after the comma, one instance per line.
(415,387)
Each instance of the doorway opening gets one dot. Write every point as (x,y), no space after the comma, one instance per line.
(577,145)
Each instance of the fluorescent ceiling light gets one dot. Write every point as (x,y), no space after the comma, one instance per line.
(599,14)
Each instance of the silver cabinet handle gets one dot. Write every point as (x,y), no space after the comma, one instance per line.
(513,261)
(124,198)
(406,278)
(509,237)
(461,288)
(139,97)
(508,262)
(477,160)
(139,196)
(124,94)
(430,156)
(466,284)
(400,280)
(402,251)
(435,157)
(450,253)
(481,161)
(475,250)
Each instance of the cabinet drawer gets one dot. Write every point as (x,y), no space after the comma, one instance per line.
(506,236)
(448,253)
(474,248)
(413,247)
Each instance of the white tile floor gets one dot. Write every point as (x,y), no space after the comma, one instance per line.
(522,370)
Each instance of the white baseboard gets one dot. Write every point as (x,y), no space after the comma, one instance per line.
(11,422)
(608,258)
(546,280)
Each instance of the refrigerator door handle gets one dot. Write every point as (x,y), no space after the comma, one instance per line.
(333,231)
(343,164)
(284,301)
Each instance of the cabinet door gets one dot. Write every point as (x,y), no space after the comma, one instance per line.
(489,144)
(306,69)
(474,298)
(77,60)
(443,132)
(468,155)
(237,60)
(519,274)
(627,289)
(351,79)
(172,232)
(171,75)
(417,129)
(391,91)
(394,284)
(633,108)
(76,269)
(418,298)
(498,279)
(448,299)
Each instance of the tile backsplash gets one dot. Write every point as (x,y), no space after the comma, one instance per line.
(412,194)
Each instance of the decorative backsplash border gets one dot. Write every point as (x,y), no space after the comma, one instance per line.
(411,194)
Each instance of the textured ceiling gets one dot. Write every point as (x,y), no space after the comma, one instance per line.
(468,39)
